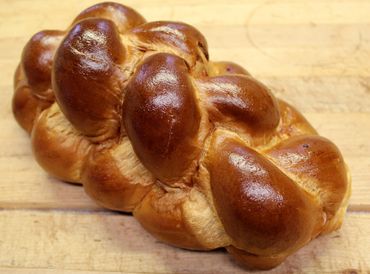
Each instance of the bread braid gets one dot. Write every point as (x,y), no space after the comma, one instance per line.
(201,152)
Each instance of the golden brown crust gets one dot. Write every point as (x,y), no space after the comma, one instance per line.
(161,93)
(172,37)
(86,78)
(125,18)
(318,165)
(262,209)
(58,147)
(201,152)
(115,178)
(161,214)
(32,79)
(292,122)
(253,262)
(37,61)
(242,99)
(225,68)
(25,107)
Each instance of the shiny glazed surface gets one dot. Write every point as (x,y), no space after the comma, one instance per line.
(202,153)
(161,93)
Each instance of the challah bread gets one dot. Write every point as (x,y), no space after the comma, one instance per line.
(202,153)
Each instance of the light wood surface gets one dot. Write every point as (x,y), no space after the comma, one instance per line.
(314,54)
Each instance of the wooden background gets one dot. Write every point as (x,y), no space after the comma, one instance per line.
(314,54)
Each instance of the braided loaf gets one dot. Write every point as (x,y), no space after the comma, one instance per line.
(201,152)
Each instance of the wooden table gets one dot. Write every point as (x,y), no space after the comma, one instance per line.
(314,54)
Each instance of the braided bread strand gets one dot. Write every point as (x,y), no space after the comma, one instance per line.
(201,152)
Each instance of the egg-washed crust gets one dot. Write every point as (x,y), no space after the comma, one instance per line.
(201,152)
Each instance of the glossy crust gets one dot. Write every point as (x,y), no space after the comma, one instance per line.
(58,147)
(90,65)
(178,37)
(223,67)
(262,209)
(125,18)
(202,153)
(115,177)
(241,99)
(161,213)
(161,93)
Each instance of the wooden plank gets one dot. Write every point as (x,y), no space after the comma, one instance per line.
(276,61)
(85,241)
(25,185)
(322,94)
(350,131)
(52,271)
(233,12)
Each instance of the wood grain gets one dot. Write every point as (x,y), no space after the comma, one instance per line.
(81,240)
(314,54)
